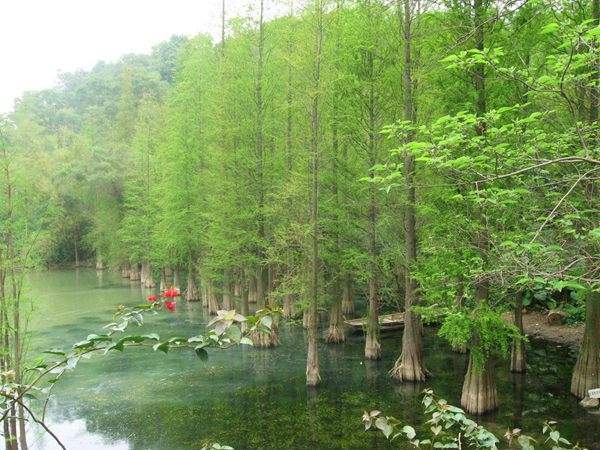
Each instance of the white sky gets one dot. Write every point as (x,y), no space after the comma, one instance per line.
(39,38)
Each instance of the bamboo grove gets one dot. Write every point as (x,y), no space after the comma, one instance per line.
(332,158)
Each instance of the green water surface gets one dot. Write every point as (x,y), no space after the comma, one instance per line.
(256,399)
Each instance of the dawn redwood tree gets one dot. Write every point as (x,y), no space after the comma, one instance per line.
(410,365)
(313,376)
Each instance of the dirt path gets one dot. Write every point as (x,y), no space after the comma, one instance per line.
(536,327)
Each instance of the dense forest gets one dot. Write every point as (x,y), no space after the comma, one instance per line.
(363,157)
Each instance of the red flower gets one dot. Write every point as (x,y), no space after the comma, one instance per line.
(152,298)
(170,305)
(171,293)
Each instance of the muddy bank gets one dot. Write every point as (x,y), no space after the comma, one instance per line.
(536,327)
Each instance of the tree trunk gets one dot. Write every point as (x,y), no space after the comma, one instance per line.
(191,289)
(288,306)
(204,293)
(134,273)
(252,289)
(347,297)
(372,345)
(227,301)
(313,376)
(261,287)
(410,365)
(99,262)
(125,270)
(479,394)
(76,254)
(586,374)
(213,303)
(176,278)
(146,276)
(336,332)
(517,356)
(245,306)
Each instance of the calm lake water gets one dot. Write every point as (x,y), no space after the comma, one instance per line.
(256,399)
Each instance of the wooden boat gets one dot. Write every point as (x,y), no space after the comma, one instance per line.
(387,322)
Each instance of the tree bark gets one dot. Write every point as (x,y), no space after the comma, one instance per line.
(146,276)
(517,356)
(586,374)
(372,345)
(227,301)
(288,306)
(410,365)
(336,332)
(347,297)
(313,376)
(191,289)
(213,303)
(479,394)
(134,272)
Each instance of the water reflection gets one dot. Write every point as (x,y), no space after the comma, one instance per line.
(257,399)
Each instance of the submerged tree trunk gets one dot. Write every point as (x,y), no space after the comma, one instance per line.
(99,262)
(177,278)
(191,289)
(586,374)
(125,270)
(134,272)
(479,394)
(336,332)
(410,365)
(372,345)
(204,293)
(213,303)
(146,276)
(245,306)
(313,376)
(517,356)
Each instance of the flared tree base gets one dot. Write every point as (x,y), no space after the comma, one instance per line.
(372,347)
(479,395)
(192,294)
(409,367)
(335,334)
(265,340)
(586,374)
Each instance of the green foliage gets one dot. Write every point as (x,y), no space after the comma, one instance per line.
(449,427)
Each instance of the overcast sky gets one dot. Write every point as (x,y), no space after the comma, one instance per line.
(39,38)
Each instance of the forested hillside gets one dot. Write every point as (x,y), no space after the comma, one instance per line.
(349,158)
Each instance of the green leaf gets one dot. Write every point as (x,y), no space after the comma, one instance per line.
(162,346)
(550,28)
(246,341)
(201,353)
(409,431)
